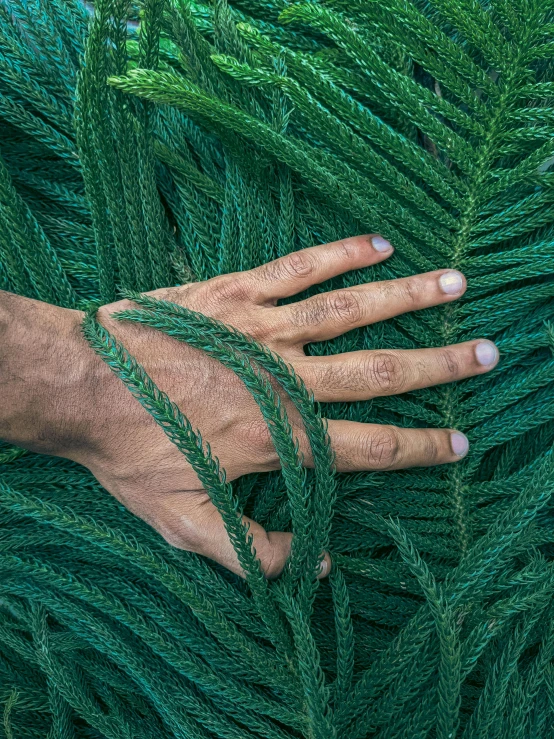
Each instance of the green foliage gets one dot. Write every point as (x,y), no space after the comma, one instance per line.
(214,137)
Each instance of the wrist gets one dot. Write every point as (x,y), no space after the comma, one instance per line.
(44,364)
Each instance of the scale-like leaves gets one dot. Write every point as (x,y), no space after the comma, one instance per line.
(149,143)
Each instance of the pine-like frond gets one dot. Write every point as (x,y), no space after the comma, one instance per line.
(146,144)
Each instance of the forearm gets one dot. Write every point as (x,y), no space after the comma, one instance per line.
(43,366)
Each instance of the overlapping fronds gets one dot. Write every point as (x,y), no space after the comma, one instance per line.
(149,144)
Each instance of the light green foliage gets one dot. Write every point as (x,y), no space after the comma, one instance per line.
(206,138)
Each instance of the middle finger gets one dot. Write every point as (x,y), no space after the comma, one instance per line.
(330,314)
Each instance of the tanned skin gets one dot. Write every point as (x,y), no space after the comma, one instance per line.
(60,398)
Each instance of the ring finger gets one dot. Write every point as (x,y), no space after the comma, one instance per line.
(362,375)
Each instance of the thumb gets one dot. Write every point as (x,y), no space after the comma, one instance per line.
(195,524)
(273,549)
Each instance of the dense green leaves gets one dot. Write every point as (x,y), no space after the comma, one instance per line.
(153,143)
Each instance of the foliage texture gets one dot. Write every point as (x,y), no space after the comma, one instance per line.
(149,144)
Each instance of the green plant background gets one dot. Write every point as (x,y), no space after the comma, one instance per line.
(149,146)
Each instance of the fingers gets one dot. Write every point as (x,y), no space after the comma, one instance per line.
(362,375)
(367,446)
(295,272)
(333,313)
(189,520)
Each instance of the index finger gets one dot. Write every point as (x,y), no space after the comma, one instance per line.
(299,270)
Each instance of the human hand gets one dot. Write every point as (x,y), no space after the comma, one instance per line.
(109,432)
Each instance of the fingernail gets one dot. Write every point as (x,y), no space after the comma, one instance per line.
(459,443)
(451,283)
(486,352)
(322,568)
(381,244)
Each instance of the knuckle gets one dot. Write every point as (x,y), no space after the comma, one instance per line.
(430,449)
(383,447)
(386,372)
(226,289)
(410,291)
(347,248)
(450,362)
(344,306)
(261,331)
(256,437)
(296,264)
